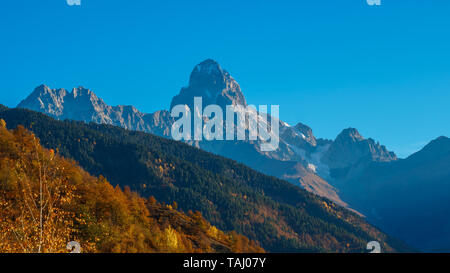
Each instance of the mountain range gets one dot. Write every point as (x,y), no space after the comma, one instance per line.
(405,197)
(300,159)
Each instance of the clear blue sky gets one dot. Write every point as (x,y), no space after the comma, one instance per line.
(330,64)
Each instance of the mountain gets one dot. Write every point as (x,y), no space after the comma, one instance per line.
(77,206)
(280,216)
(214,84)
(350,147)
(300,158)
(82,104)
(409,198)
(297,158)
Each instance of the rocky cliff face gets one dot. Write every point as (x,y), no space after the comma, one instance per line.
(44,99)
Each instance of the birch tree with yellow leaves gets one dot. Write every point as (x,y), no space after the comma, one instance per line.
(35,190)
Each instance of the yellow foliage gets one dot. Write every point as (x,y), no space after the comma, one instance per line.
(213,232)
(171,237)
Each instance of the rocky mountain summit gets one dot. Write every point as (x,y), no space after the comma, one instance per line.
(350,147)
(214,84)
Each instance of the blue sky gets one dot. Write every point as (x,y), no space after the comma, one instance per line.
(331,64)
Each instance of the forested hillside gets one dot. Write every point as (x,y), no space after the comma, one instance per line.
(47,201)
(281,216)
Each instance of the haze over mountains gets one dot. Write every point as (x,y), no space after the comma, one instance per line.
(351,170)
(409,198)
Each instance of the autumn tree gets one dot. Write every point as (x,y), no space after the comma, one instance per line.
(36,190)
